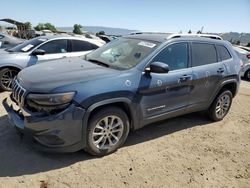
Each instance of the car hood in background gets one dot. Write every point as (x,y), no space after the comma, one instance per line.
(7,57)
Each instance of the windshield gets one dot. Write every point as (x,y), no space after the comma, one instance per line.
(122,53)
(28,45)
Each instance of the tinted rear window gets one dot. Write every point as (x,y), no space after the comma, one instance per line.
(78,46)
(223,53)
(203,54)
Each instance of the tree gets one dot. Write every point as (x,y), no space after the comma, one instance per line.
(50,27)
(28,25)
(189,32)
(248,44)
(101,33)
(237,42)
(39,27)
(77,29)
(47,26)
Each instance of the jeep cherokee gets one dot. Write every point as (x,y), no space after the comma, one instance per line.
(93,102)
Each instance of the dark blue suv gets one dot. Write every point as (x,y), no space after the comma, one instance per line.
(93,102)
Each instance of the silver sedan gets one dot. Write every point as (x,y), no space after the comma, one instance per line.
(39,50)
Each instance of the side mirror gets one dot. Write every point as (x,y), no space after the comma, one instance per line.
(38,52)
(157,67)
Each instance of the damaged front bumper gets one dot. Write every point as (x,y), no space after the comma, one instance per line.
(62,132)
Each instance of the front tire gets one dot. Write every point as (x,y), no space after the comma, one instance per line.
(107,130)
(6,78)
(221,106)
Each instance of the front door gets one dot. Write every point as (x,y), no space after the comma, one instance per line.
(55,49)
(168,93)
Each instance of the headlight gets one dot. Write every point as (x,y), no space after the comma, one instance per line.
(51,99)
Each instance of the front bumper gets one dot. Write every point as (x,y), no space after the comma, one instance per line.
(62,132)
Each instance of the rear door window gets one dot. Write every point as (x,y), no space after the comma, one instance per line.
(79,46)
(223,53)
(203,54)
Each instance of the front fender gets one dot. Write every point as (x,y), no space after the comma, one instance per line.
(3,65)
(130,104)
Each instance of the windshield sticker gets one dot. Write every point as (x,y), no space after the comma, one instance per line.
(27,48)
(43,40)
(128,83)
(147,44)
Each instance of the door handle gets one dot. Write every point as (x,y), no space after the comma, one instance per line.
(185,78)
(221,70)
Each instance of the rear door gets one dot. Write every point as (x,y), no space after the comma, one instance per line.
(208,71)
(81,47)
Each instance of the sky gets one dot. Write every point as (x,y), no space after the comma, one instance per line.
(145,15)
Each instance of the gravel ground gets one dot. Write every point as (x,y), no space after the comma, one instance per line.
(188,151)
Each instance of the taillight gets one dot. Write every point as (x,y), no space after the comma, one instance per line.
(248,56)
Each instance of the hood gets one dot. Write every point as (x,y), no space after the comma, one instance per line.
(50,75)
(6,55)
(3,52)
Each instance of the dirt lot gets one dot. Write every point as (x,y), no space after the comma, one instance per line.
(188,151)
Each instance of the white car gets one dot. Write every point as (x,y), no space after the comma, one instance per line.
(8,41)
(244,55)
(39,50)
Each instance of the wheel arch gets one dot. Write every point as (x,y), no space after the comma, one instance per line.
(231,85)
(123,103)
(10,66)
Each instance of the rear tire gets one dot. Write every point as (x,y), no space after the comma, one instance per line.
(247,75)
(220,106)
(107,130)
(6,77)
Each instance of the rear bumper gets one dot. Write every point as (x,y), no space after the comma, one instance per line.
(62,132)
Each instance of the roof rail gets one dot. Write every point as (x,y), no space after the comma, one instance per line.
(146,32)
(217,37)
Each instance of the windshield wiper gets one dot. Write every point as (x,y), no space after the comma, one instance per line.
(98,62)
(9,50)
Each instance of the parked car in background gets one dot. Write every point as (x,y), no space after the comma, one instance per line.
(93,102)
(40,50)
(245,48)
(244,55)
(107,38)
(8,41)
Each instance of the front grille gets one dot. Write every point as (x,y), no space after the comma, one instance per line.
(18,92)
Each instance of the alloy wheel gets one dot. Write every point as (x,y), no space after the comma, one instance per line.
(7,78)
(107,132)
(223,106)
